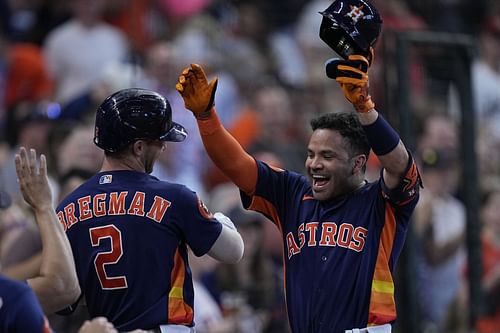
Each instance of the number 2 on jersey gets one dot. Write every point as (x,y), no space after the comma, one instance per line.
(108,257)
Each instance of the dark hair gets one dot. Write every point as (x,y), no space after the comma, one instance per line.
(349,127)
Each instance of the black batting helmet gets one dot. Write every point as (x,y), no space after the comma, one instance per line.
(132,114)
(350,27)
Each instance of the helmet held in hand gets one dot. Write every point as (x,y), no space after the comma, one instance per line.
(350,27)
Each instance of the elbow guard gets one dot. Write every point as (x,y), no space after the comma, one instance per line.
(408,188)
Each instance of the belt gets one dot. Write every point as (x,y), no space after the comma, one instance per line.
(372,329)
(175,329)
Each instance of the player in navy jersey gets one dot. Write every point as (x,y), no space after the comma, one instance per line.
(341,234)
(130,232)
(20,310)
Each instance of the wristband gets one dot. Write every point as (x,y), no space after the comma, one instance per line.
(381,136)
(209,125)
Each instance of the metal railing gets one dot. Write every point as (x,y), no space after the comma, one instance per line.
(458,51)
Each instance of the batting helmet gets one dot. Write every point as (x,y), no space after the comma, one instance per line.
(132,114)
(350,27)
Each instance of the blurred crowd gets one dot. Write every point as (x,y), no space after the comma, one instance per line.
(60,59)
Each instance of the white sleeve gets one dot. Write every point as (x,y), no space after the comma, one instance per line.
(229,246)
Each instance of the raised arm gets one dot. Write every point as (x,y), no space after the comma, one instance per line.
(223,149)
(56,285)
(352,74)
(395,162)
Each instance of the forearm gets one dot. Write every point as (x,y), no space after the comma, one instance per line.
(227,153)
(56,286)
(386,144)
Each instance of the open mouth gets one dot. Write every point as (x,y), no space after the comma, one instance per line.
(319,182)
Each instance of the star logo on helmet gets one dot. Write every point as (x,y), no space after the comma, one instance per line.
(356,13)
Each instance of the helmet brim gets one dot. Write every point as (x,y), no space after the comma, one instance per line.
(177,133)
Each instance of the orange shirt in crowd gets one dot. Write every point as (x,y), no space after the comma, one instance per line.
(27,77)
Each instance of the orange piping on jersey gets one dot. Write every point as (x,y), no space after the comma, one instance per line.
(179,312)
(411,177)
(382,305)
(262,205)
(227,154)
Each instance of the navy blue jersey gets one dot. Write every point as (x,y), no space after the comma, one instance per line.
(20,311)
(130,233)
(339,255)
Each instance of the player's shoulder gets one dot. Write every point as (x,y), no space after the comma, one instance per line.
(370,188)
(170,187)
(175,192)
(268,169)
(371,185)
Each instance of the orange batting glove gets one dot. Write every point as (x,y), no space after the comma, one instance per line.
(198,94)
(352,74)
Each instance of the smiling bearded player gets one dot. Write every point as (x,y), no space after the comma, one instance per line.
(341,234)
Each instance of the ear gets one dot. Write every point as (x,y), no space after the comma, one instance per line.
(359,163)
(138,147)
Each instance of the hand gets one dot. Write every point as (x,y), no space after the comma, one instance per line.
(198,94)
(97,325)
(33,180)
(352,74)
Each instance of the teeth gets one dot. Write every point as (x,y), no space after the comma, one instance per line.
(318,177)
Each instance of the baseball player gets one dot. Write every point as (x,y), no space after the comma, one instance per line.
(130,232)
(341,234)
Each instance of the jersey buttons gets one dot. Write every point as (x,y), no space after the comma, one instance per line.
(323,258)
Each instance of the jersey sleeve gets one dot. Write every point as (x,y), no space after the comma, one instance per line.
(197,223)
(276,190)
(29,316)
(401,200)
(407,191)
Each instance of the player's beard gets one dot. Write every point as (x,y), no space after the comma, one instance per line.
(336,187)
(340,182)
